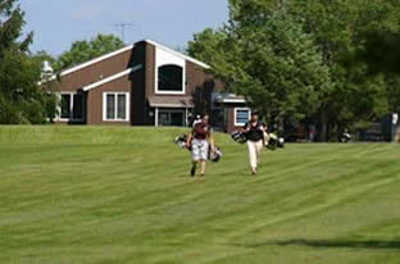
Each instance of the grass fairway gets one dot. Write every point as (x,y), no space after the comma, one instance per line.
(123,195)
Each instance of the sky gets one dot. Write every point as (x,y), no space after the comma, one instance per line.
(57,23)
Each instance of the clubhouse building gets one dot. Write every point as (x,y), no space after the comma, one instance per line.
(146,84)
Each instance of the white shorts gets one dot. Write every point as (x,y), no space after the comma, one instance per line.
(199,149)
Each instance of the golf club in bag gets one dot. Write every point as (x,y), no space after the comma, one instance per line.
(239,137)
(345,137)
(180,141)
(272,140)
(275,142)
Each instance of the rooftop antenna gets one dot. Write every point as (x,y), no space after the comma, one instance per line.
(122,27)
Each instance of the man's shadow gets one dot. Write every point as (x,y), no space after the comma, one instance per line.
(368,244)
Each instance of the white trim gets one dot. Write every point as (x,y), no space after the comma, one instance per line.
(127,110)
(96,60)
(71,108)
(122,50)
(233,101)
(170,92)
(235,115)
(176,53)
(156,117)
(165,58)
(171,106)
(112,78)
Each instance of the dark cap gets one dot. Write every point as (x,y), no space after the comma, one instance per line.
(255,113)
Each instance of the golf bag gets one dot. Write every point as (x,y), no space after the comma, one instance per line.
(272,141)
(215,156)
(239,137)
(345,137)
(275,142)
(180,141)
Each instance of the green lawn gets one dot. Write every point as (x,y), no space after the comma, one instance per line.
(123,195)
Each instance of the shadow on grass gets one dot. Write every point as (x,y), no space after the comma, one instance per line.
(369,244)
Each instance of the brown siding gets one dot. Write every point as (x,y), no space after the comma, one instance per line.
(198,77)
(93,73)
(231,121)
(200,85)
(95,100)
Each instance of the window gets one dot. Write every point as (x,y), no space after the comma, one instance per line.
(121,109)
(116,106)
(170,79)
(78,106)
(72,106)
(242,116)
(171,117)
(110,106)
(65,106)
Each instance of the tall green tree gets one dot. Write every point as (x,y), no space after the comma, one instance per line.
(291,57)
(21,98)
(338,28)
(11,25)
(206,44)
(82,51)
(268,58)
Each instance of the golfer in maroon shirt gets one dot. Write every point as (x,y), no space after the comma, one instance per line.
(200,139)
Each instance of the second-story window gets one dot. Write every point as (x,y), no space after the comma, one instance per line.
(170,79)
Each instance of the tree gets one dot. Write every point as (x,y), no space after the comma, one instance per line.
(268,58)
(382,58)
(292,58)
(82,51)
(21,98)
(338,28)
(11,24)
(206,44)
